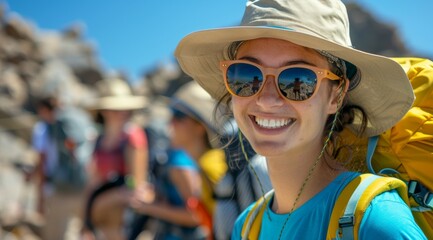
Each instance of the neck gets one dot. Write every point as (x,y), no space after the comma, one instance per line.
(290,174)
(112,132)
(113,127)
(196,149)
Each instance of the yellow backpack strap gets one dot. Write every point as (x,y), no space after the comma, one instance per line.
(368,188)
(340,205)
(253,221)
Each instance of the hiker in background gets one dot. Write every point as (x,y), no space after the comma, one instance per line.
(195,165)
(45,145)
(119,160)
(63,139)
(280,41)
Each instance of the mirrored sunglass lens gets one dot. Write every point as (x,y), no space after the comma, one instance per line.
(243,79)
(297,83)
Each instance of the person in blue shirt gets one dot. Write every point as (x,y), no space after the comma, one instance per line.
(280,42)
(183,197)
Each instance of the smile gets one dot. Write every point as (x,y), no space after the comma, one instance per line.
(273,123)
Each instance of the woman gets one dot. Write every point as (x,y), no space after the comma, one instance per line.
(119,160)
(193,168)
(296,131)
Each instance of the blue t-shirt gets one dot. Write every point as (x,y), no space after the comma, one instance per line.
(177,159)
(387,217)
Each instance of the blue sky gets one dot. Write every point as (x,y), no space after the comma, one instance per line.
(135,35)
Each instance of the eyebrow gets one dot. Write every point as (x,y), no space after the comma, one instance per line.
(288,63)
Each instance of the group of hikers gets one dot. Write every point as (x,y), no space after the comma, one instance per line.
(259,164)
(181,187)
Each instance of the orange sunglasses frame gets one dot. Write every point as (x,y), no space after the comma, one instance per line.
(268,71)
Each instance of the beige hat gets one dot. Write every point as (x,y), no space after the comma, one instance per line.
(116,94)
(192,100)
(384,91)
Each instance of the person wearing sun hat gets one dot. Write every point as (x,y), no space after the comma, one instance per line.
(195,164)
(195,103)
(119,159)
(116,94)
(279,41)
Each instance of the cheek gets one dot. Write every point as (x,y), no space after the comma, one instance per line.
(319,111)
(238,106)
(315,111)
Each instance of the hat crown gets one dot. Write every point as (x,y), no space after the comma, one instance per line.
(325,19)
(114,88)
(196,101)
(116,94)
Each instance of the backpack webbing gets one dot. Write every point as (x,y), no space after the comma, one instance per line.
(253,221)
(348,212)
(348,209)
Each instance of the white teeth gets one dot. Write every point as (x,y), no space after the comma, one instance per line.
(272,123)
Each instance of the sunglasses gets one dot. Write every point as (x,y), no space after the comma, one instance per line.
(296,82)
(177,114)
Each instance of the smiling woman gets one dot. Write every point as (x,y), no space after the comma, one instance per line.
(258,115)
(293,82)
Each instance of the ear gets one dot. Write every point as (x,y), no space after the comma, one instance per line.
(337,94)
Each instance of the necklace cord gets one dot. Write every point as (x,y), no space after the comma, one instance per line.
(311,170)
(252,169)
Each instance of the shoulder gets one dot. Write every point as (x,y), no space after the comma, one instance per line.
(389,217)
(237,229)
(136,135)
(180,159)
(40,135)
(212,156)
(214,164)
(39,128)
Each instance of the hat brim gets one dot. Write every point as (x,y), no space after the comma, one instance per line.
(384,91)
(119,103)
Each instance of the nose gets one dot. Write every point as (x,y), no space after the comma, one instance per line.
(269,95)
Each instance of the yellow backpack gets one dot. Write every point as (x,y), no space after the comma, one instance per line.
(403,152)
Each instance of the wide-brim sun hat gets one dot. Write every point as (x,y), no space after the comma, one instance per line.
(116,94)
(383,89)
(192,100)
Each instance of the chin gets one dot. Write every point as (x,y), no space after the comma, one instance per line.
(268,148)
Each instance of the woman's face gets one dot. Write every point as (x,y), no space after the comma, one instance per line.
(116,116)
(296,126)
(184,130)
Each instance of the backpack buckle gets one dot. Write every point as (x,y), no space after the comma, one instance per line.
(420,194)
(346,224)
(413,187)
(428,200)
